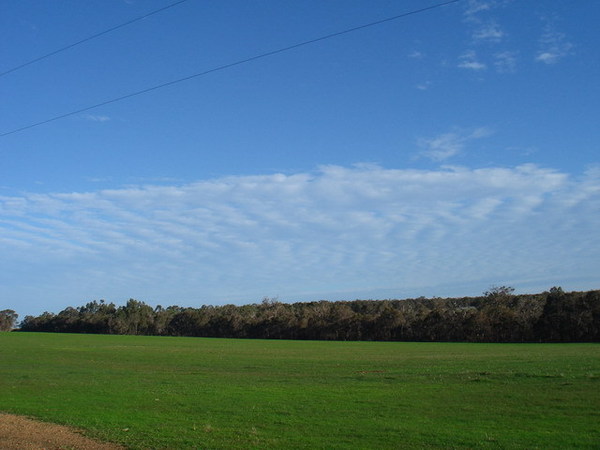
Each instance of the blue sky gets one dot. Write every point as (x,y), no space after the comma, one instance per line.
(437,154)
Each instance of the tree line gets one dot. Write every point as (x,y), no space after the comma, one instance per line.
(496,316)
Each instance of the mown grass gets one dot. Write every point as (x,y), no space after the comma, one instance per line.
(161,392)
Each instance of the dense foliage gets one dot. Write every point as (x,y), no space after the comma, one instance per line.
(8,318)
(497,316)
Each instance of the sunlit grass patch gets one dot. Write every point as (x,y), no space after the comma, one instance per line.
(157,392)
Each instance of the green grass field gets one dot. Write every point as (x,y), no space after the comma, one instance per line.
(161,392)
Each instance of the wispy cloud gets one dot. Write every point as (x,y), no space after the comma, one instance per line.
(96,118)
(486,35)
(446,145)
(483,27)
(340,229)
(474,7)
(505,62)
(416,55)
(553,45)
(490,32)
(468,60)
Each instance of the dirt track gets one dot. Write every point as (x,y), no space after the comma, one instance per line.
(20,433)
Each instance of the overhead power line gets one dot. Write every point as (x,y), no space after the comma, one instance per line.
(89,38)
(227,66)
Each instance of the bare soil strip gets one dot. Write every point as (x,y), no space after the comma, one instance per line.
(21,433)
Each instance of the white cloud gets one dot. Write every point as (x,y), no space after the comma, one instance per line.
(423,86)
(468,60)
(483,27)
(473,65)
(96,118)
(450,144)
(340,229)
(474,7)
(553,46)
(505,62)
(490,32)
